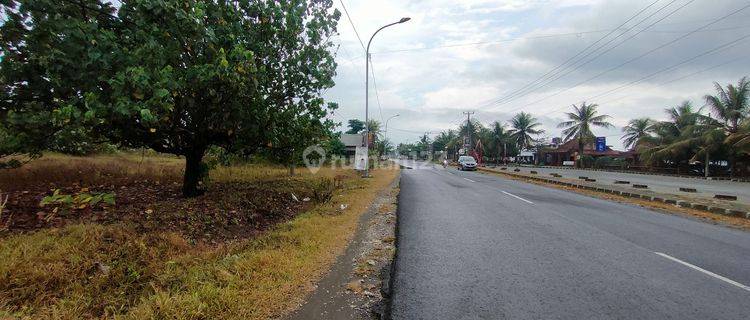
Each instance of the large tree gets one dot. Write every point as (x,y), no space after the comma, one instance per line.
(180,76)
(524,126)
(579,125)
(54,53)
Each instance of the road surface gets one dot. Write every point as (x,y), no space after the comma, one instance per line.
(662,184)
(475,246)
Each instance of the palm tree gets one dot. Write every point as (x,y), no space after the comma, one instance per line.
(580,123)
(500,136)
(667,133)
(374,127)
(524,125)
(730,106)
(740,140)
(636,131)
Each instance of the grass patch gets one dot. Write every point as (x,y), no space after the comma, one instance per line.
(119,270)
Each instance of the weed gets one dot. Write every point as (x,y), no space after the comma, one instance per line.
(78,201)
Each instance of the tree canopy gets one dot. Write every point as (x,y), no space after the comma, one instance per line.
(177,76)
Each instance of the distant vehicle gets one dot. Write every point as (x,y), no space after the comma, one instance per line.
(467,163)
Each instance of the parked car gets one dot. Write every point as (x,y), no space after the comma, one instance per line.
(467,163)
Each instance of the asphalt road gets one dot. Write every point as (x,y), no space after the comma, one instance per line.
(663,184)
(475,246)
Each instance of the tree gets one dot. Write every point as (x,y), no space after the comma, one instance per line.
(730,107)
(740,140)
(384,147)
(579,125)
(666,133)
(355,126)
(374,127)
(524,126)
(49,62)
(181,76)
(500,137)
(636,131)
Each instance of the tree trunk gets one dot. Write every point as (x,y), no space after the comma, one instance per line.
(497,155)
(705,170)
(292,166)
(580,153)
(193,173)
(731,164)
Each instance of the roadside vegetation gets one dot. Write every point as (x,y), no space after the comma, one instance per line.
(249,248)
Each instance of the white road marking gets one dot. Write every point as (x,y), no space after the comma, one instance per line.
(517,197)
(467,179)
(727,280)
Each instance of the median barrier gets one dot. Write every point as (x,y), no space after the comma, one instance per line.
(725,197)
(680,203)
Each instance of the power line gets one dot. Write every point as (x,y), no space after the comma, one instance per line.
(577,67)
(669,68)
(375,84)
(348,17)
(686,76)
(643,54)
(577,54)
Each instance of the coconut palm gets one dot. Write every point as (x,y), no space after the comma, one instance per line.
(667,133)
(636,131)
(730,107)
(579,126)
(701,139)
(740,140)
(524,126)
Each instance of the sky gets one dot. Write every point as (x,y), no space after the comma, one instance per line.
(633,58)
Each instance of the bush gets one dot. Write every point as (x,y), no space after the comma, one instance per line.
(323,189)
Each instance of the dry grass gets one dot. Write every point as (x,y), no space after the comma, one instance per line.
(63,170)
(113,271)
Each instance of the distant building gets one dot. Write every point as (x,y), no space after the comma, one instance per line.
(352,141)
(569,150)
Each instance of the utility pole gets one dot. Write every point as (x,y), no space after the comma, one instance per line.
(468,129)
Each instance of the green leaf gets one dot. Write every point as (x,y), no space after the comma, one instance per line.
(161,93)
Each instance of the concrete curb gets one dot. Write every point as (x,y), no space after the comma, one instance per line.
(681,203)
(638,172)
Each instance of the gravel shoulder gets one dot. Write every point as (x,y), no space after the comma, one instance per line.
(356,287)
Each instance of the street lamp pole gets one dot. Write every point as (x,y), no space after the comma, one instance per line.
(386,125)
(367,94)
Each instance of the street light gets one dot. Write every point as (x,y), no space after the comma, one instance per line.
(385,138)
(367,93)
(386,125)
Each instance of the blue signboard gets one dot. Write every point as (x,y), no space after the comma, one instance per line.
(601,144)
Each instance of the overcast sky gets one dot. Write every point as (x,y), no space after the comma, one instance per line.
(471,55)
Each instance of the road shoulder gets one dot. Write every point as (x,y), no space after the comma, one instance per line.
(356,286)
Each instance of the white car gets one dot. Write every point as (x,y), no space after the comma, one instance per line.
(467,163)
